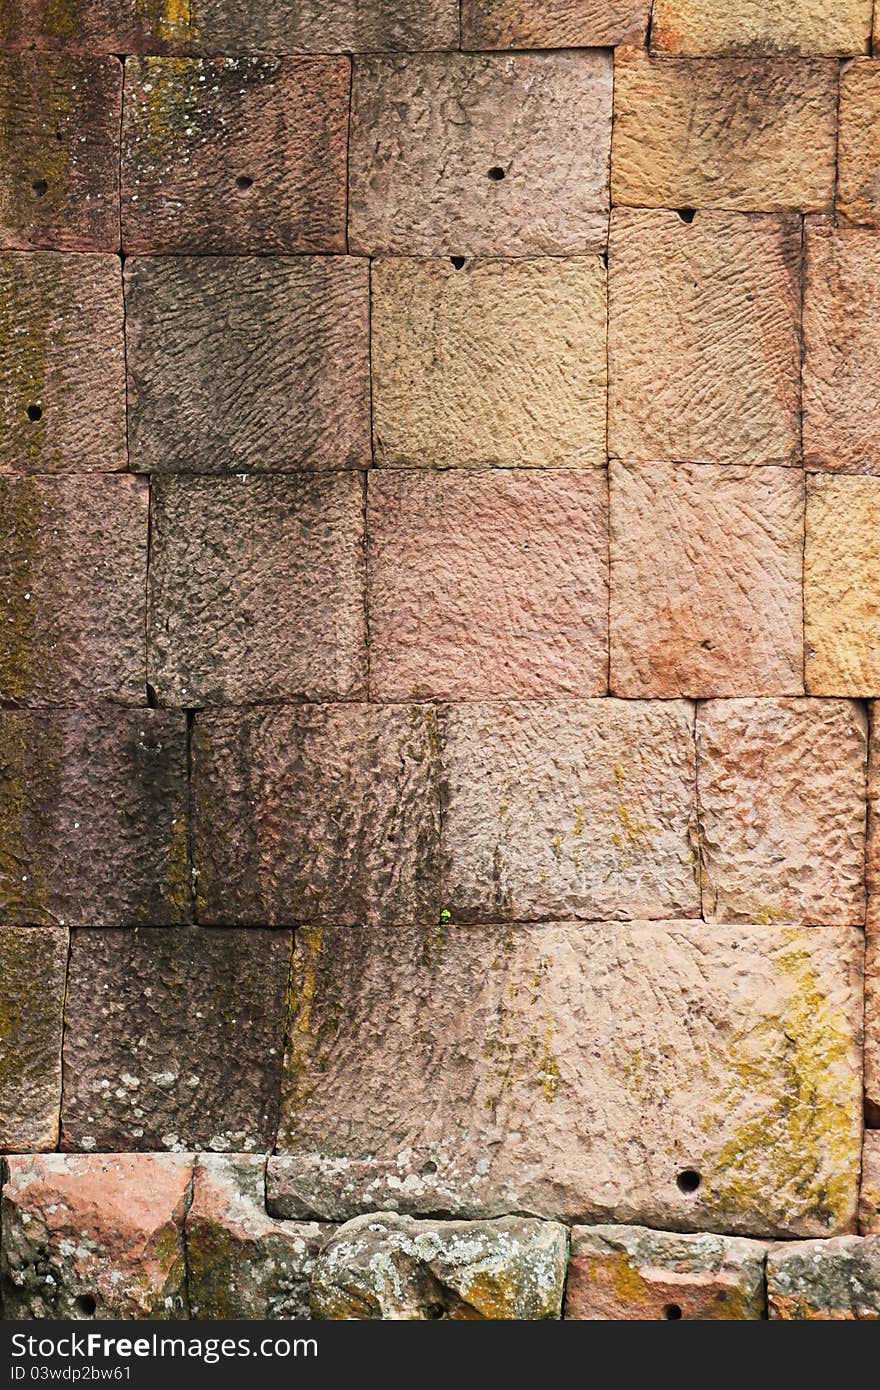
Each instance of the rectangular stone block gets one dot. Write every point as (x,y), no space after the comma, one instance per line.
(834,27)
(490,583)
(99,26)
(480,154)
(706,580)
(234,154)
(858,196)
(323,813)
(490,362)
(248,363)
(782,810)
(869,1191)
(842,585)
(93,817)
(73,574)
(256,589)
(59,127)
(174,1039)
(703,337)
(33,966)
(572,808)
(752,135)
(656,1073)
(825,1280)
(553,23)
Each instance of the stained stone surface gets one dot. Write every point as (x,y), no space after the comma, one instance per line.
(869,1191)
(552,23)
(33,965)
(831,1280)
(836,27)
(858,197)
(842,585)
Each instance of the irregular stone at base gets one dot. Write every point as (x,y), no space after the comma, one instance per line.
(828,1280)
(869,1191)
(33,964)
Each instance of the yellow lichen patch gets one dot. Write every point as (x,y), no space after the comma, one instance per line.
(23,878)
(167,102)
(40,153)
(630,832)
(177,874)
(25,334)
(298,1063)
(19,537)
(490,1294)
(170,21)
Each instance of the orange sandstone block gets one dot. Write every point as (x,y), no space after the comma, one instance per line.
(842,585)
(869,1191)
(858,194)
(833,27)
(552,23)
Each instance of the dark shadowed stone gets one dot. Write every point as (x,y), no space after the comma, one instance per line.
(33,965)
(828,1280)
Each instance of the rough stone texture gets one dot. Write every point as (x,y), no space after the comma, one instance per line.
(782,810)
(33,965)
(94,1236)
(842,585)
(832,1280)
(553,23)
(842,348)
(174,1039)
(858,189)
(73,573)
(706,593)
(98,26)
(391,1267)
(496,362)
(327,813)
(256,589)
(59,131)
(703,342)
(872,934)
(583,808)
(93,817)
(761,26)
(751,135)
(485,584)
(246,364)
(630,1273)
(869,1192)
(62,364)
(480,154)
(576,1072)
(234,154)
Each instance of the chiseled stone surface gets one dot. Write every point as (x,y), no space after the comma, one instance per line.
(324,813)
(831,1280)
(247,363)
(553,23)
(98,26)
(97,1235)
(391,1267)
(782,810)
(872,934)
(487,584)
(174,1039)
(858,191)
(601,1065)
(842,585)
(835,27)
(494,362)
(704,351)
(234,154)
(73,573)
(554,809)
(33,966)
(62,363)
(869,1192)
(93,817)
(706,571)
(633,1274)
(753,135)
(480,154)
(256,589)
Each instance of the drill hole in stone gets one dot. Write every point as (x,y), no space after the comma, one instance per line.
(85,1304)
(496,173)
(40,187)
(243,183)
(687,214)
(435,1310)
(458,262)
(34,413)
(672,1311)
(688,1180)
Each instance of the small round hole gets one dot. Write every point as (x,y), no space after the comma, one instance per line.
(688,1180)
(458,262)
(435,1310)
(672,1311)
(35,413)
(40,187)
(686,214)
(496,173)
(243,183)
(85,1304)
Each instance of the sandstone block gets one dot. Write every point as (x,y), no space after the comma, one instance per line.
(496,362)
(325,813)
(630,1273)
(234,154)
(391,1267)
(256,589)
(830,1280)
(95,1236)
(782,810)
(491,583)
(761,26)
(553,23)
(858,197)
(99,26)
(842,585)
(703,340)
(872,933)
(660,1074)
(583,808)
(706,592)
(480,154)
(33,966)
(93,817)
(869,1192)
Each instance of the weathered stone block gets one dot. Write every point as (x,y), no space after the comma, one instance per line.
(842,585)
(485,584)
(480,154)
(391,1267)
(630,1273)
(858,194)
(706,591)
(287,387)
(99,26)
(93,817)
(33,966)
(755,135)
(59,124)
(782,810)
(256,589)
(95,1236)
(234,154)
(703,338)
(583,808)
(662,1074)
(328,813)
(73,572)
(760,26)
(869,1191)
(496,362)
(829,1280)
(553,23)
(174,1039)
(872,932)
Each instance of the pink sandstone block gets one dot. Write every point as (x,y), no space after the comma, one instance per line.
(842,585)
